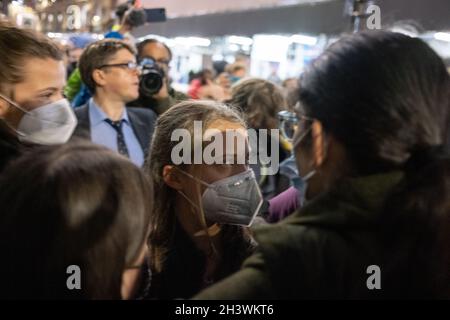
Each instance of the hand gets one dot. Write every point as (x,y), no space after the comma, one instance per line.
(163,93)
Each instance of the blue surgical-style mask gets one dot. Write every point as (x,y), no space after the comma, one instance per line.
(301,181)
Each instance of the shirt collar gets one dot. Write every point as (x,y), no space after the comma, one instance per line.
(97,115)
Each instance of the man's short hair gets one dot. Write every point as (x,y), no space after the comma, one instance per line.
(96,55)
(141,45)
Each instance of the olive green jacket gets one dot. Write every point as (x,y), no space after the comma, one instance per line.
(321,251)
(160,106)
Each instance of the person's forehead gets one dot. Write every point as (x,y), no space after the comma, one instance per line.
(156,50)
(123,55)
(42,73)
(230,133)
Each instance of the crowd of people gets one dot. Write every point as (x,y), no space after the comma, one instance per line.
(363,180)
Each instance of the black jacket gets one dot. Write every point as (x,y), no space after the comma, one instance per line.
(10,146)
(142,121)
(321,251)
(184,267)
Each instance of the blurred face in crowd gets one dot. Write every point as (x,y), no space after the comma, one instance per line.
(223,80)
(239,73)
(116,79)
(158,52)
(43,83)
(74,55)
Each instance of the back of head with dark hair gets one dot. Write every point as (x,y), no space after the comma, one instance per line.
(385,97)
(135,17)
(260,101)
(96,55)
(121,10)
(78,205)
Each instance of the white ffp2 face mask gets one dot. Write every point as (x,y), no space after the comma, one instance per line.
(50,124)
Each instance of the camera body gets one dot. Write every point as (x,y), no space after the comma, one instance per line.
(152,77)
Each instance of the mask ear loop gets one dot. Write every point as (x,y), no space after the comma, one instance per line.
(295,143)
(325,147)
(201,215)
(15,105)
(213,250)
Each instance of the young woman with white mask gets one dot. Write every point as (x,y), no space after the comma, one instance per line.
(32,78)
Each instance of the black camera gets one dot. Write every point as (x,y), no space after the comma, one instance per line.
(152,77)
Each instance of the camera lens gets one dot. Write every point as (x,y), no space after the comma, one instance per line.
(151,78)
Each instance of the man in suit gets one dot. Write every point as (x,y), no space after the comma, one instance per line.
(108,68)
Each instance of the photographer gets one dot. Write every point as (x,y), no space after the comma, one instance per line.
(130,18)
(155,91)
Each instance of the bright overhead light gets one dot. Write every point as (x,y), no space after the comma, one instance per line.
(54,35)
(442,36)
(243,41)
(302,39)
(193,41)
(233,47)
(217,57)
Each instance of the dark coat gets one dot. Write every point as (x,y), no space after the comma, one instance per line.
(142,121)
(321,251)
(184,267)
(10,146)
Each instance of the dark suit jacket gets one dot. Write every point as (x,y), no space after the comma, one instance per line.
(142,121)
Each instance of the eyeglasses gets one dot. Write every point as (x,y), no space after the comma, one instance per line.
(290,122)
(160,61)
(131,66)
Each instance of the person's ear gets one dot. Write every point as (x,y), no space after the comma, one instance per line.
(99,77)
(319,144)
(171,177)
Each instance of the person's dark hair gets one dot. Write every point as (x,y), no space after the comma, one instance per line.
(167,239)
(121,10)
(135,17)
(260,101)
(96,55)
(204,75)
(77,204)
(385,97)
(141,45)
(18,45)
(10,146)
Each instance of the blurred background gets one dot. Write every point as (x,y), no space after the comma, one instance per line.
(273,39)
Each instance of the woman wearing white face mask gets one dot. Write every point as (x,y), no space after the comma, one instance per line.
(198,228)
(32,77)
